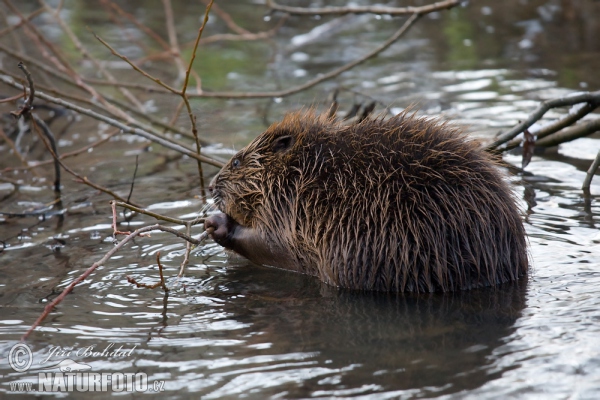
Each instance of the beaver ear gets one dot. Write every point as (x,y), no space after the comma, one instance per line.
(282,144)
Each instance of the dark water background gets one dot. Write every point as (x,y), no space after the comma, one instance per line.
(230,329)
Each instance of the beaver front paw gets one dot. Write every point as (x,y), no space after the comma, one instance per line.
(221,228)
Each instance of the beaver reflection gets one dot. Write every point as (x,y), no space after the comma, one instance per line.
(394,341)
(404,204)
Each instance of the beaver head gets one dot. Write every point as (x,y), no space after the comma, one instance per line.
(399,204)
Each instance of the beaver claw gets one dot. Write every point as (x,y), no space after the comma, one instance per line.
(220,227)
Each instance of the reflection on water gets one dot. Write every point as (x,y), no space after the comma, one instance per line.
(365,343)
(230,329)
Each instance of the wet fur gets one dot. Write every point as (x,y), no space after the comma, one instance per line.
(399,204)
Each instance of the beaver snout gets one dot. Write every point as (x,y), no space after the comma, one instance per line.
(212,184)
(220,227)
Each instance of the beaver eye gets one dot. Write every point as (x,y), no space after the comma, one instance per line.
(235,163)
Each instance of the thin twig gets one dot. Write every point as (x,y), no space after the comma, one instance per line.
(185,99)
(60,61)
(29,100)
(26,107)
(186,257)
(225,17)
(160,272)
(68,80)
(12,145)
(22,22)
(155,215)
(87,55)
(246,37)
(11,99)
(173,43)
(161,282)
(124,128)
(84,275)
(30,166)
(133,179)
(306,85)
(134,66)
(42,128)
(79,178)
(384,10)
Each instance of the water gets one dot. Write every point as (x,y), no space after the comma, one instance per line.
(231,330)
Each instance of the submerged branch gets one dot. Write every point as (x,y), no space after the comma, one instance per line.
(161,282)
(48,309)
(590,174)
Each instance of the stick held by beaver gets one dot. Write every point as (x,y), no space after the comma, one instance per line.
(404,204)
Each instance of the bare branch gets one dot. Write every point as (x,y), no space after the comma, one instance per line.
(124,128)
(22,22)
(87,55)
(574,132)
(135,67)
(174,45)
(82,179)
(593,97)
(151,89)
(590,174)
(557,125)
(161,282)
(138,25)
(31,96)
(315,81)
(155,215)
(184,88)
(58,59)
(30,166)
(48,309)
(363,9)
(306,85)
(246,36)
(12,145)
(226,18)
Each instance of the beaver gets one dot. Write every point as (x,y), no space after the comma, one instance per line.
(401,204)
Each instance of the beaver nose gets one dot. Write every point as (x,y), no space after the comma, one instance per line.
(211,185)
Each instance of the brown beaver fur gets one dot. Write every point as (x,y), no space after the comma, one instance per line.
(399,204)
